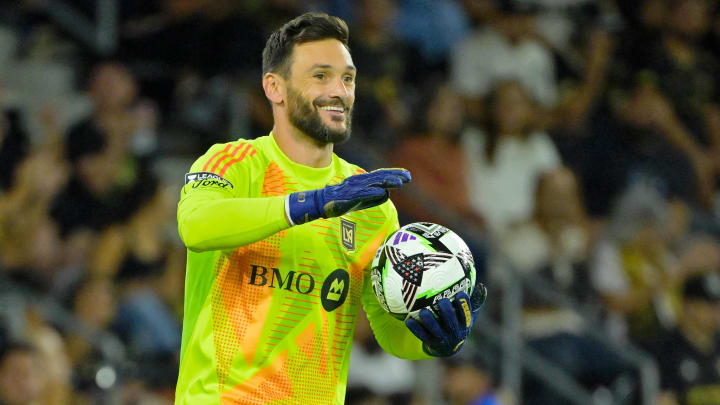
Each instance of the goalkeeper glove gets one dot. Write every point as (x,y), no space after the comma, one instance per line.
(354,193)
(445,335)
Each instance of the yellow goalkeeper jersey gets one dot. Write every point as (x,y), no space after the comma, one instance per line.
(269,309)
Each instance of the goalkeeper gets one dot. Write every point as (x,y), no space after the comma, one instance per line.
(280,231)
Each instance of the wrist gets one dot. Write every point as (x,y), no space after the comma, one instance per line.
(288,218)
(428,350)
(302,207)
(445,352)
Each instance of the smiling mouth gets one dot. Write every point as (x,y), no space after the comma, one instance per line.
(337,109)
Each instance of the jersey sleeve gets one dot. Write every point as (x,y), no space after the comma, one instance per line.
(215,211)
(392,334)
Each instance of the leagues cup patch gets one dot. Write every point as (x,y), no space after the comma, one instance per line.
(207,179)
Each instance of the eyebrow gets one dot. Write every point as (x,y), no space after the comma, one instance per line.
(326,66)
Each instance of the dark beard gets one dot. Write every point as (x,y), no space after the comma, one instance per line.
(305,117)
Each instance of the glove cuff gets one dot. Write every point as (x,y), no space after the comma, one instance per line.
(287,211)
(302,207)
(430,352)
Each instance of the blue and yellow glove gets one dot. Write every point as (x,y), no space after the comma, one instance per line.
(354,193)
(445,334)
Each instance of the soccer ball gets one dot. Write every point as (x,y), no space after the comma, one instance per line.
(417,266)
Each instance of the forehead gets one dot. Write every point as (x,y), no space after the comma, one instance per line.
(326,52)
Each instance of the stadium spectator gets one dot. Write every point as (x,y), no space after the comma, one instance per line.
(135,255)
(384,112)
(554,245)
(507,158)
(686,71)
(552,251)
(94,304)
(633,270)
(24,221)
(112,89)
(672,94)
(52,354)
(636,137)
(583,92)
(108,152)
(687,354)
(134,247)
(682,70)
(648,253)
(432,153)
(431,150)
(645,22)
(506,49)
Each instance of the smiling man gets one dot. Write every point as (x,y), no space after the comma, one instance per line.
(280,234)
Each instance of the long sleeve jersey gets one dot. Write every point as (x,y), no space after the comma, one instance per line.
(270,309)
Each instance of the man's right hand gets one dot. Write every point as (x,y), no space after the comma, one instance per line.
(354,193)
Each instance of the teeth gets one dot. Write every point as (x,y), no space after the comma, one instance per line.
(331,108)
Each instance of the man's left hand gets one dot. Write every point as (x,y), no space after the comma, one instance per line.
(445,334)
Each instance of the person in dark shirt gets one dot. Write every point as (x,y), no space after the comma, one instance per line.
(86,200)
(689,355)
(685,70)
(109,179)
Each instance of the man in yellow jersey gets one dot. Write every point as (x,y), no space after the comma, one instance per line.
(280,233)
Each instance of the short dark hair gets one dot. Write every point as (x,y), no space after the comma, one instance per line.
(305,28)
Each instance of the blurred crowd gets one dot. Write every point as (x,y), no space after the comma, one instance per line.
(575,144)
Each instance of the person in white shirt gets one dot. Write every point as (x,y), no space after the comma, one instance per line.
(508,48)
(507,159)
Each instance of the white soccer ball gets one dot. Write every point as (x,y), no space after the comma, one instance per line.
(418,265)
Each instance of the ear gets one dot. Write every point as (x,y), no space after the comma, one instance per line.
(274,87)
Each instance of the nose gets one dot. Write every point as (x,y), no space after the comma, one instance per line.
(339,88)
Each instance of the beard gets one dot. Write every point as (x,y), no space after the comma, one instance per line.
(305,116)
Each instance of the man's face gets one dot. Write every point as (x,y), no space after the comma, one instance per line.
(113,86)
(513,108)
(22,380)
(321,90)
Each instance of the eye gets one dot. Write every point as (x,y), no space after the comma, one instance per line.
(320,76)
(349,79)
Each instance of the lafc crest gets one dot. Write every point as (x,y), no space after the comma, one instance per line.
(347,233)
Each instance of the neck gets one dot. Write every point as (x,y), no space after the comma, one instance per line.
(300,147)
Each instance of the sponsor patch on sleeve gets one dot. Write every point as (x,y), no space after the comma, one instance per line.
(206,179)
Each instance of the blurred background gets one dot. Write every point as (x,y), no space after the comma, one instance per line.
(574,144)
